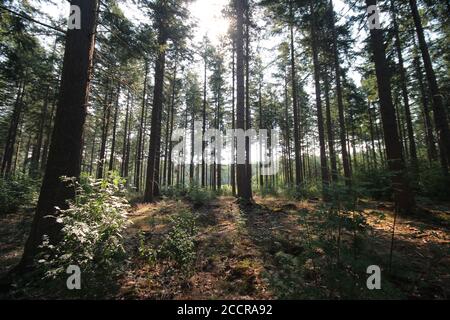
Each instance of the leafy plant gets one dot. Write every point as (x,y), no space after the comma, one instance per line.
(15,192)
(433,183)
(145,251)
(92,231)
(199,196)
(179,244)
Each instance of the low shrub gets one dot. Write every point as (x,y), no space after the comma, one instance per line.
(199,196)
(92,232)
(432,183)
(374,183)
(179,244)
(15,192)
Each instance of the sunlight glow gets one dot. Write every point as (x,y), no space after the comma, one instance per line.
(208,14)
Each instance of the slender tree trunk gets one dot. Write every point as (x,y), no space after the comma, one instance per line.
(323,157)
(248,122)
(36,155)
(172,115)
(372,135)
(48,135)
(125,138)
(94,143)
(12,132)
(105,129)
(340,102)
(331,150)
(380,138)
(113,142)
(297,152)
(218,152)
(288,134)
(261,177)
(138,162)
(128,150)
(233,119)
(430,140)
(440,113)
(26,158)
(169,127)
(192,153)
(243,191)
(65,151)
(156,189)
(204,122)
(401,127)
(404,90)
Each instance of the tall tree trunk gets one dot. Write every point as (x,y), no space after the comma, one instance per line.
(243,191)
(172,115)
(26,158)
(288,134)
(372,135)
(106,118)
(248,122)
(233,118)
(403,196)
(125,138)
(192,153)
(170,109)
(218,154)
(331,150)
(440,114)
(64,157)
(261,123)
(155,133)
(36,155)
(156,189)
(12,132)
(128,150)
(113,141)
(138,162)
(430,140)
(297,152)
(404,88)
(94,143)
(48,133)
(204,122)
(323,157)
(340,102)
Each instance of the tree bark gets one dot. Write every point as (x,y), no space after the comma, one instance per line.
(241,176)
(105,129)
(403,196)
(233,118)
(12,132)
(125,139)
(440,114)
(155,131)
(248,122)
(297,152)
(404,88)
(36,155)
(330,133)
(138,161)
(113,142)
(323,157)
(64,157)
(340,101)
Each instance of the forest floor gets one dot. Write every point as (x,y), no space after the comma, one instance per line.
(274,249)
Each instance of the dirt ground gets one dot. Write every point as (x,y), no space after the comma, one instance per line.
(257,252)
